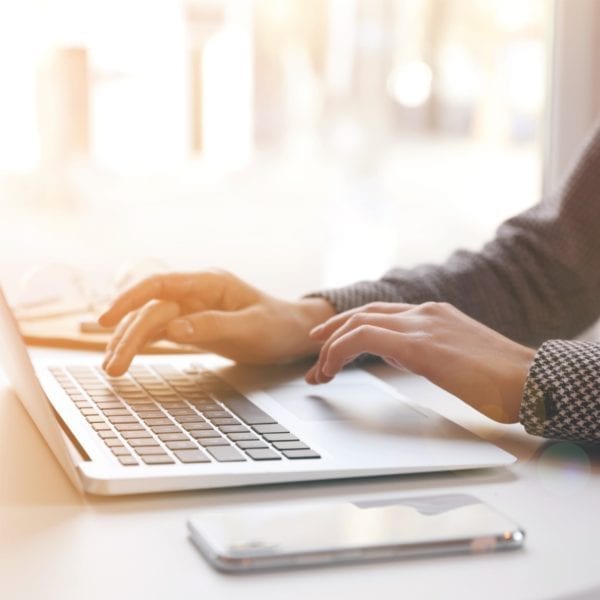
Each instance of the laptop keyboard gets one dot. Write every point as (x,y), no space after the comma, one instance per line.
(159,415)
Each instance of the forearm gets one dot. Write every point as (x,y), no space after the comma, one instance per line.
(561,399)
(538,279)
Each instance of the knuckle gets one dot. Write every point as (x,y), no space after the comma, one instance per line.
(429,308)
(363,332)
(358,318)
(435,308)
(221,273)
(154,281)
(375,306)
(378,306)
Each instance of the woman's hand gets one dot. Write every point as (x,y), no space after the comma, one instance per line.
(216,311)
(466,358)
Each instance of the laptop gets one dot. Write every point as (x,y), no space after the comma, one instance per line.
(198,421)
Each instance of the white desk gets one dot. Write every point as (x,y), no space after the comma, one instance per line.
(55,544)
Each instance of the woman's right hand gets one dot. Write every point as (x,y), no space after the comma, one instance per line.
(215,311)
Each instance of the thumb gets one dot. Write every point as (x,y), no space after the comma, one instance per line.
(206,327)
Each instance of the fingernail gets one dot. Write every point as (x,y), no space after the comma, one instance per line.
(181,328)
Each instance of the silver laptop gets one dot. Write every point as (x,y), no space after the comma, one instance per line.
(191,422)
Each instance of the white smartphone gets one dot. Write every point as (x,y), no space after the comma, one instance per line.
(302,534)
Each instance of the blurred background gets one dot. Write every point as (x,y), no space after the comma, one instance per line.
(299,143)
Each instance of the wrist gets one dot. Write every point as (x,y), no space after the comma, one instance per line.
(311,312)
(522,360)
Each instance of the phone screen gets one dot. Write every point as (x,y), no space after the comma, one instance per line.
(305,533)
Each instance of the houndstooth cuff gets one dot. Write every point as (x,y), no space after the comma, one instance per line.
(561,399)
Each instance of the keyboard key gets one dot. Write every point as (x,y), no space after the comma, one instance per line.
(155,422)
(113,442)
(106,405)
(246,410)
(139,442)
(165,429)
(120,451)
(101,393)
(216,414)
(129,427)
(234,429)
(82,404)
(173,437)
(196,425)
(204,433)
(133,395)
(136,435)
(105,435)
(238,437)
(181,446)
(220,422)
(280,437)
(149,450)
(246,445)
(270,428)
(103,426)
(95,419)
(182,412)
(263,454)
(166,393)
(139,404)
(226,454)
(193,418)
(149,414)
(115,412)
(214,441)
(291,445)
(127,419)
(89,412)
(293,454)
(192,456)
(158,459)
(197,396)
(127,461)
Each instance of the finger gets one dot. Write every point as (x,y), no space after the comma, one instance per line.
(324,330)
(210,327)
(370,339)
(147,322)
(172,286)
(315,375)
(116,337)
(394,322)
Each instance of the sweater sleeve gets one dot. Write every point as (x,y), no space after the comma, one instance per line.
(562,393)
(538,279)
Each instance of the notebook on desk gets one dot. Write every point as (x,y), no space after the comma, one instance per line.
(190,422)
(69,331)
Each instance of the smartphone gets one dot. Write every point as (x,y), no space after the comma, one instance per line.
(320,533)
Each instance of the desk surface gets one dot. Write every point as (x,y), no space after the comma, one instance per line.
(55,543)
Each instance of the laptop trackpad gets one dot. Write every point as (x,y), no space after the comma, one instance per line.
(341,402)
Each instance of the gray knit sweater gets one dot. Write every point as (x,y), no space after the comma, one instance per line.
(537,282)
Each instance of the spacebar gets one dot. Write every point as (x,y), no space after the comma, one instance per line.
(244,409)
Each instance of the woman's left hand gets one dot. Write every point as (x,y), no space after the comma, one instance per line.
(475,363)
